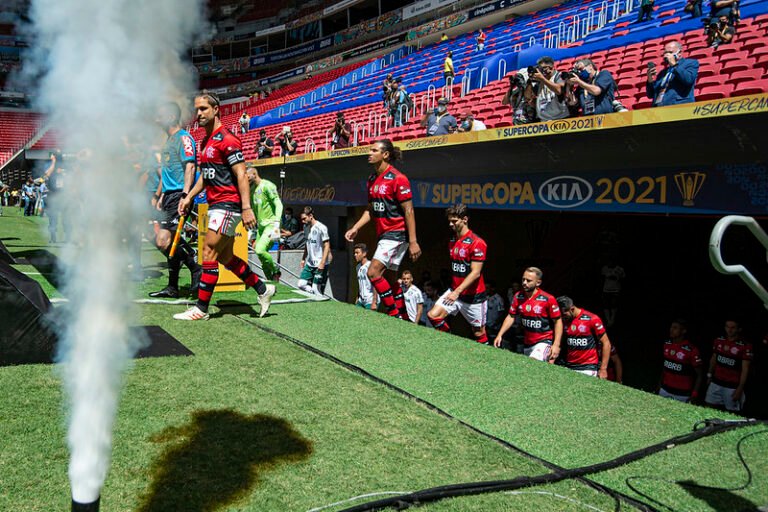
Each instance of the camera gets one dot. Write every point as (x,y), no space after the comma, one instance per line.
(532,70)
(567,75)
(517,81)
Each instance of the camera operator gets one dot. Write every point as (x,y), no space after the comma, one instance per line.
(521,98)
(549,88)
(286,141)
(596,89)
(676,82)
(245,121)
(340,132)
(439,121)
(387,89)
(720,32)
(265,145)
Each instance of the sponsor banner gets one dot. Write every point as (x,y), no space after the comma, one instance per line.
(492,7)
(339,6)
(423,6)
(292,53)
(271,30)
(379,45)
(282,76)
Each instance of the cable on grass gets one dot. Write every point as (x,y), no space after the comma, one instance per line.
(566,498)
(369,495)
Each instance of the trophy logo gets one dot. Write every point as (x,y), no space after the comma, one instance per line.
(689,184)
(423,191)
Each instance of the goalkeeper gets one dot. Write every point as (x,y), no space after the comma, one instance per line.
(268,208)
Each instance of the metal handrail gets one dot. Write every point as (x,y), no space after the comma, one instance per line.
(500,74)
(486,77)
(309,143)
(385,116)
(716,257)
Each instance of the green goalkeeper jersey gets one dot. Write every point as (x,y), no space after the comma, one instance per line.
(266,203)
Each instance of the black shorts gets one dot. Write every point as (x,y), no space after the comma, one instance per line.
(169,214)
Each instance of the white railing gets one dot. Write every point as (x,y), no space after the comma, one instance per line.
(343,81)
(405,114)
(313,98)
(413,102)
(309,144)
(603,18)
(323,92)
(448,88)
(716,257)
(531,41)
(562,32)
(382,63)
(499,73)
(302,102)
(280,112)
(483,73)
(385,117)
(466,82)
(334,87)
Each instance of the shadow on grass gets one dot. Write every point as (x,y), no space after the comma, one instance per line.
(218,458)
(718,499)
(235,307)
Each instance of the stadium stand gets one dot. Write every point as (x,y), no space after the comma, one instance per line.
(17,127)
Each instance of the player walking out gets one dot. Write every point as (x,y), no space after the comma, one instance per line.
(177,173)
(681,376)
(269,210)
(223,175)
(540,316)
(587,347)
(366,295)
(728,369)
(391,207)
(467,293)
(317,254)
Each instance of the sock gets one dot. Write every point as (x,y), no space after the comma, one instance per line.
(187,256)
(440,324)
(174,264)
(397,292)
(385,295)
(207,284)
(246,275)
(304,286)
(483,338)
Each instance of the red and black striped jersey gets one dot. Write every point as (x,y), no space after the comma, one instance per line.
(729,358)
(221,151)
(581,341)
(680,362)
(537,315)
(386,193)
(463,252)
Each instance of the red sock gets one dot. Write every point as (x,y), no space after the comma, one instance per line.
(440,324)
(483,338)
(207,284)
(246,275)
(385,295)
(397,293)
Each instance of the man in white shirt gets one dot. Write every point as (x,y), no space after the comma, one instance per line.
(414,299)
(366,294)
(317,254)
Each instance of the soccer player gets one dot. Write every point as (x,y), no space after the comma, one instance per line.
(728,369)
(540,317)
(467,293)
(177,173)
(414,298)
(366,295)
(587,347)
(222,174)
(681,377)
(317,254)
(269,208)
(391,207)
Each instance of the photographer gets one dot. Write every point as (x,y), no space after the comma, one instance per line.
(549,88)
(389,82)
(470,124)
(439,121)
(676,82)
(596,89)
(340,133)
(720,32)
(245,121)
(521,98)
(286,141)
(265,145)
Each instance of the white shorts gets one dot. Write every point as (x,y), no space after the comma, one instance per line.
(390,253)
(475,314)
(680,398)
(539,351)
(224,222)
(720,395)
(589,373)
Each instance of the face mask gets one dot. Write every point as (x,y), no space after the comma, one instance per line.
(583,74)
(465,125)
(441,109)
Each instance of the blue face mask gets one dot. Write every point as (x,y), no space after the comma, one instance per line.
(584,74)
(441,108)
(465,125)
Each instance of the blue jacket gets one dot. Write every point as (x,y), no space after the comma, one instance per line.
(680,86)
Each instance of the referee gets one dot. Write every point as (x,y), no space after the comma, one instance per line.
(176,175)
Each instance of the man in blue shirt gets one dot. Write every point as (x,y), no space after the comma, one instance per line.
(676,82)
(439,121)
(177,173)
(596,90)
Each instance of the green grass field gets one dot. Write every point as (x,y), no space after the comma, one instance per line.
(254,422)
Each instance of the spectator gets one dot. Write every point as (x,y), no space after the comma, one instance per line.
(444,37)
(265,145)
(480,41)
(728,369)
(549,89)
(448,68)
(720,32)
(470,124)
(596,89)
(439,121)
(245,121)
(289,225)
(729,8)
(676,82)
(340,132)
(496,310)
(645,12)
(681,376)
(430,297)
(366,295)
(587,347)
(286,141)
(387,89)
(521,98)
(414,298)
(28,191)
(3,196)
(694,7)
(401,103)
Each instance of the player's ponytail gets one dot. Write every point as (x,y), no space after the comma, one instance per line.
(394,152)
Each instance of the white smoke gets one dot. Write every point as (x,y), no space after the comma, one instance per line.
(103,67)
